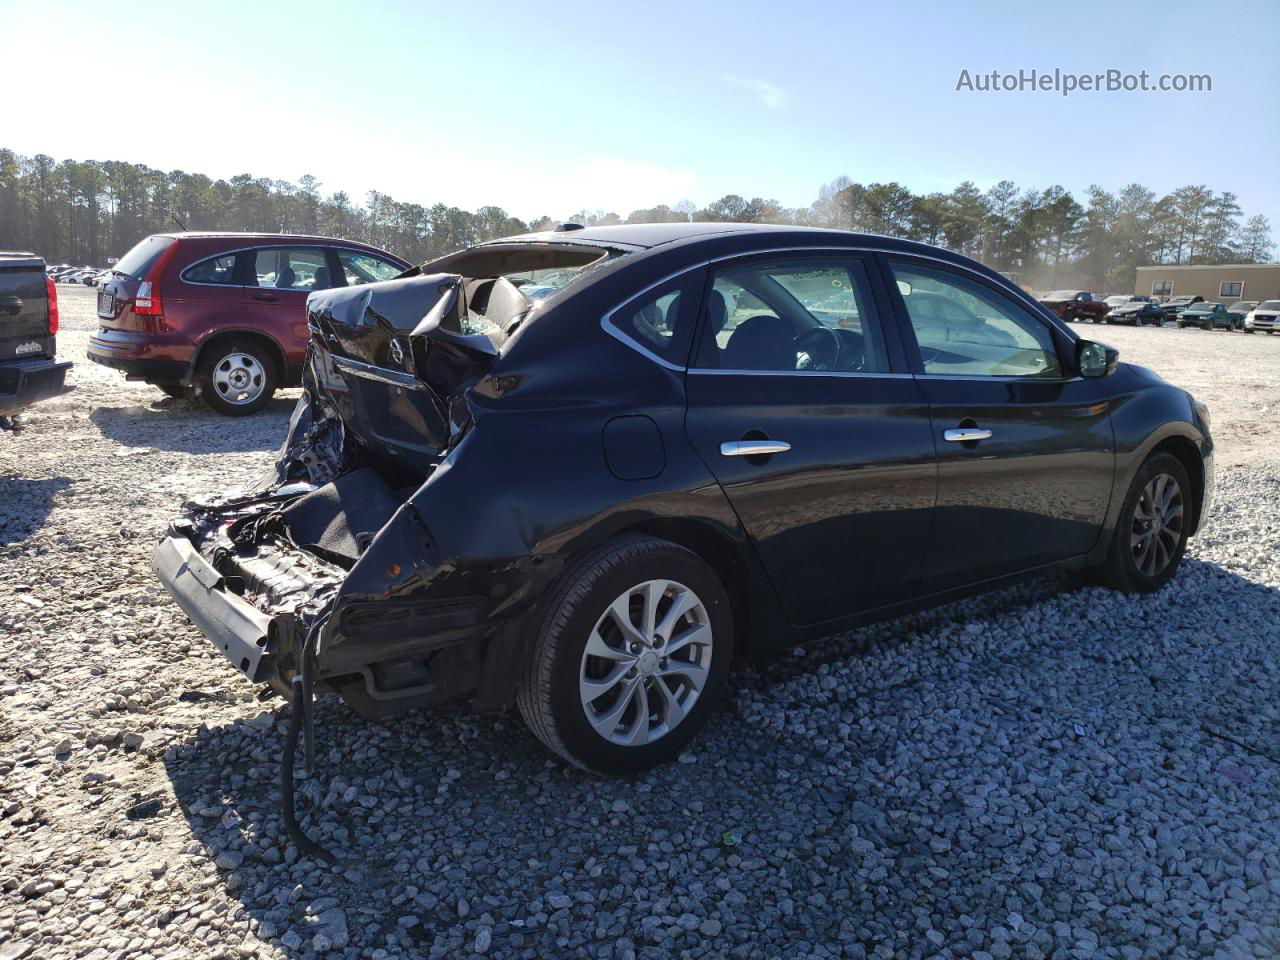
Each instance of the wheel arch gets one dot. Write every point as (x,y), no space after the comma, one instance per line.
(274,349)
(1188,455)
(725,560)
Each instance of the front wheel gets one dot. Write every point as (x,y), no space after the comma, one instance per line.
(632,653)
(237,377)
(1151,532)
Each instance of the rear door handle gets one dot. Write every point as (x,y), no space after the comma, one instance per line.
(269,297)
(966,434)
(753,448)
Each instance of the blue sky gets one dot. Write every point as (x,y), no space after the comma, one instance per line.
(551,107)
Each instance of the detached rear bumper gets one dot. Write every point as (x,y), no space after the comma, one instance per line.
(237,628)
(24,382)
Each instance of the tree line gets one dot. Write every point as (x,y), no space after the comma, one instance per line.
(84,212)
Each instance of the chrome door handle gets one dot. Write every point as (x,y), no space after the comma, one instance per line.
(753,448)
(966,434)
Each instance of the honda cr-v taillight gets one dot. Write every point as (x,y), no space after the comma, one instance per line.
(52,290)
(146,302)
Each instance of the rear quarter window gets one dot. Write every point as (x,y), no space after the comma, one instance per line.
(216,270)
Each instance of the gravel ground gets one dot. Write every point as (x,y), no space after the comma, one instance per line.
(1043,772)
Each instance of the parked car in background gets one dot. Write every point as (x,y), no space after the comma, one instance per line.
(1208,316)
(29,370)
(1137,314)
(1239,310)
(728,449)
(1264,317)
(1120,299)
(1073,305)
(223,314)
(1176,305)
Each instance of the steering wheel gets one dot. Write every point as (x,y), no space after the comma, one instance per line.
(853,350)
(821,347)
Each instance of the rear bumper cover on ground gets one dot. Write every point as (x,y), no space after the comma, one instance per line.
(235,626)
(25,382)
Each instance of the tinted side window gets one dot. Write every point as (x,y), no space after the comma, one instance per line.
(660,320)
(797,314)
(366,268)
(220,270)
(964,328)
(285,268)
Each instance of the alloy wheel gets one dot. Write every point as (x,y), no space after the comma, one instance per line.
(1157,525)
(646,662)
(239,378)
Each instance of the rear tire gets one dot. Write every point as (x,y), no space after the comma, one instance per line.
(589,675)
(1152,530)
(237,377)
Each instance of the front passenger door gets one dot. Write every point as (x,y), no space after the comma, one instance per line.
(1025,449)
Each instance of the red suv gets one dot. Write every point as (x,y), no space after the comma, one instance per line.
(223,313)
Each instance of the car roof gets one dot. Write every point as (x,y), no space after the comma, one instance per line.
(644,236)
(239,235)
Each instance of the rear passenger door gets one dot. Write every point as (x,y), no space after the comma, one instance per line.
(279,279)
(208,297)
(826,457)
(1024,445)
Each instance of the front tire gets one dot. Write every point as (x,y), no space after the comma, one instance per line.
(632,654)
(1151,533)
(237,377)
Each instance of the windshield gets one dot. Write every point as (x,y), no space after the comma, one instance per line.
(143,256)
(1269,305)
(1062,295)
(1117,301)
(1241,306)
(1207,307)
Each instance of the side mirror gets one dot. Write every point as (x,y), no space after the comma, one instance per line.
(1096,359)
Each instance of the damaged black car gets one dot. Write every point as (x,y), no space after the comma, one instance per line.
(583,471)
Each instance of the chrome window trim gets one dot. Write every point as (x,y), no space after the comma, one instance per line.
(317,245)
(1001,378)
(182,274)
(613,330)
(609,328)
(249,249)
(369,371)
(716,372)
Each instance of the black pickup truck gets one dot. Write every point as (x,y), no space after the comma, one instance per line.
(28,322)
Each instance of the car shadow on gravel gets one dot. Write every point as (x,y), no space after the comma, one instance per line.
(188,426)
(25,505)
(457,830)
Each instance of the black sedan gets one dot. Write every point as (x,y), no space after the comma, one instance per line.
(1137,314)
(697,443)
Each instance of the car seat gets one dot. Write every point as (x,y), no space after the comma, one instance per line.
(762,342)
